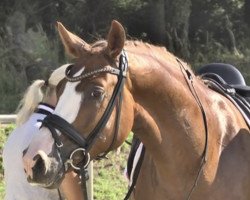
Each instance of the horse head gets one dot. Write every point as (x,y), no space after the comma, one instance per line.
(94,112)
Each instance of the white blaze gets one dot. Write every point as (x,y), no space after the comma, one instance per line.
(70,101)
(68,107)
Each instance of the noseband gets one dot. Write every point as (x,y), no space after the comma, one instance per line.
(54,122)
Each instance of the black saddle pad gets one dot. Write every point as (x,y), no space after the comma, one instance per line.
(227,76)
(238,95)
(229,73)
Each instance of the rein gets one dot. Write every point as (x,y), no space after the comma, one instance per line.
(189,80)
(54,122)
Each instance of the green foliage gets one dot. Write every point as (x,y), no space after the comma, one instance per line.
(25,55)
(201,32)
(109,181)
(215,52)
(4,133)
(2,190)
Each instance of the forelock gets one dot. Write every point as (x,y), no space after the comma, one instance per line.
(57,75)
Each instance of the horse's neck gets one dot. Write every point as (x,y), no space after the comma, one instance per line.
(169,122)
(164,109)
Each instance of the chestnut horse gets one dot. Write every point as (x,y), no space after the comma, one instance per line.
(180,126)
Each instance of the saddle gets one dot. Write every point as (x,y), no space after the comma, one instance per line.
(228,81)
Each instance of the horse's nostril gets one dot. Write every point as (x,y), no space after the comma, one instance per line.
(36,166)
(39,166)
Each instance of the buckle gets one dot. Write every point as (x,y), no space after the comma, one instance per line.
(86,159)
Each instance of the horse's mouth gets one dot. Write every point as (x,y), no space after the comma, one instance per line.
(56,182)
(47,181)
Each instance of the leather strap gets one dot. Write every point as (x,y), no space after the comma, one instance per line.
(189,80)
(136,174)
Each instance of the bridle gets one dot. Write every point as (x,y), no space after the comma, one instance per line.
(54,122)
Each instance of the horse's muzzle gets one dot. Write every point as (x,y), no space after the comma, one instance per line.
(44,170)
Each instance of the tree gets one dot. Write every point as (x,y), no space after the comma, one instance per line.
(177,15)
(247,12)
(157,28)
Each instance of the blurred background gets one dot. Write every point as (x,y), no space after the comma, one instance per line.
(198,31)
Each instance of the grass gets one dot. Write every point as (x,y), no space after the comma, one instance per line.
(4,132)
(2,190)
(109,181)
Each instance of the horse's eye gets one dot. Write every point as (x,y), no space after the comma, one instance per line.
(97,93)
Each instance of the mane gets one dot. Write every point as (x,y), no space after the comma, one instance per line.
(144,50)
(34,95)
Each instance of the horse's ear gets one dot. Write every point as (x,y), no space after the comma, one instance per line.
(74,45)
(116,39)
